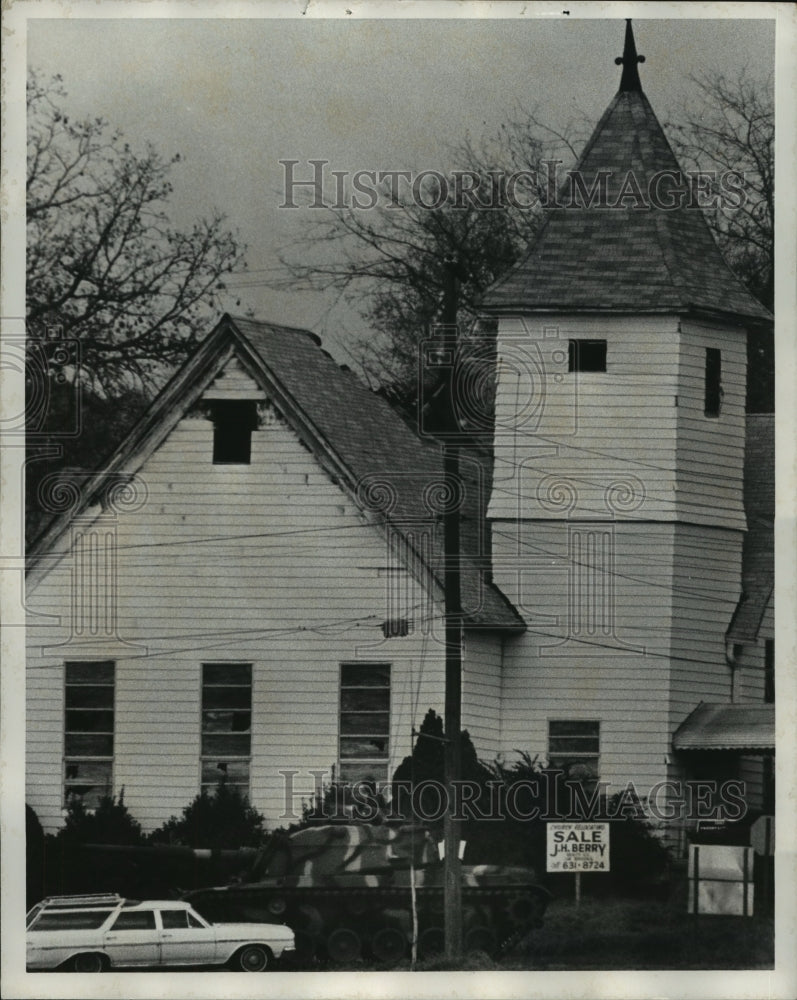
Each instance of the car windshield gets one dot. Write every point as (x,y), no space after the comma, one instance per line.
(72,920)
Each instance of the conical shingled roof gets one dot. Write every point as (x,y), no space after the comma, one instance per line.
(590,257)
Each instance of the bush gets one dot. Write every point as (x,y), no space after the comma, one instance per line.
(110,823)
(223,820)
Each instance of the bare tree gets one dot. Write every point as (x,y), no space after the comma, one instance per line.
(104,263)
(389,259)
(730,126)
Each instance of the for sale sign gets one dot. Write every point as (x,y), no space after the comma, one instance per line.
(578,847)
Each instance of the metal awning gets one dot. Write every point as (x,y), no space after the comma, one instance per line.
(727,727)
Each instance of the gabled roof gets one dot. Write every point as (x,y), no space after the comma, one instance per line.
(360,440)
(727,727)
(589,257)
(758,552)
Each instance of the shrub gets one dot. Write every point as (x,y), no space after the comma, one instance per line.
(110,823)
(223,820)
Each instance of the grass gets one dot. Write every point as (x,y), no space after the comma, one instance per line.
(625,934)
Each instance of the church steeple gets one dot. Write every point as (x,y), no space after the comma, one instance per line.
(625,232)
(629,60)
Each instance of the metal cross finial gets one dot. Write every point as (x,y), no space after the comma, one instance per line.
(629,60)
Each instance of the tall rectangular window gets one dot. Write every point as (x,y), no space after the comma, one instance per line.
(713,399)
(226,724)
(364,721)
(574,747)
(586,356)
(88,730)
(233,423)
(769,671)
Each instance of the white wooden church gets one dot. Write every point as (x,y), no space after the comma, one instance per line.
(251,587)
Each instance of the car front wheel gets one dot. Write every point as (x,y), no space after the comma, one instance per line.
(89,962)
(252,958)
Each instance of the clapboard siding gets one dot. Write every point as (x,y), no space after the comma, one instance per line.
(641,422)
(588,430)
(706,581)
(599,678)
(751,659)
(235,575)
(481,691)
(709,491)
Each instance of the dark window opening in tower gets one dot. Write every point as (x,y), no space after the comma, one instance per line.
(713,399)
(233,423)
(586,356)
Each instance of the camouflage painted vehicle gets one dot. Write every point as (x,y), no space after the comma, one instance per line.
(346,891)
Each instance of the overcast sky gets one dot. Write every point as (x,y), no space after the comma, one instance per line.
(234,97)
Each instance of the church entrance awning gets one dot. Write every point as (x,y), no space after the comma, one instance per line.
(743,728)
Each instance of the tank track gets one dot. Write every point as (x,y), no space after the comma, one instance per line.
(340,925)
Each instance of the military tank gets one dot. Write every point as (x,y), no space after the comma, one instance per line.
(346,891)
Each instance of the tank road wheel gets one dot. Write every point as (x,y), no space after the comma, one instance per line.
(276,906)
(521,910)
(388,945)
(481,939)
(89,962)
(344,945)
(432,941)
(251,958)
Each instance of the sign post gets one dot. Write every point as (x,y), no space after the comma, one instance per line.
(577,848)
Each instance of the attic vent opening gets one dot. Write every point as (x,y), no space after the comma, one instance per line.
(713,400)
(586,356)
(233,423)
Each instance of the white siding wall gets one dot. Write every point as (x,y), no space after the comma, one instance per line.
(481,691)
(268,563)
(751,691)
(621,681)
(706,587)
(711,450)
(587,430)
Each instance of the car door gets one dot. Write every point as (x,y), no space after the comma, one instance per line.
(133,939)
(186,939)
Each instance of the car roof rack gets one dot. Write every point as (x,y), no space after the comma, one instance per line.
(89,899)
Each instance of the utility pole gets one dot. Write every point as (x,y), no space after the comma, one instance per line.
(452,884)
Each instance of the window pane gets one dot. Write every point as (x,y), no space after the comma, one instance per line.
(84,920)
(365,723)
(89,696)
(578,767)
(374,746)
(174,918)
(226,745)
(89,772)
(575,728)
(353,773)
(89,722)
(90,673)
(135,920)
(88,745)
(365,674)
(365,699)
(573,744)
(193,922)
(227,673)
(226,722)
(236,771)
(226,697)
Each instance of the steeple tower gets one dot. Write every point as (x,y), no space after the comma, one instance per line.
(617,511)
